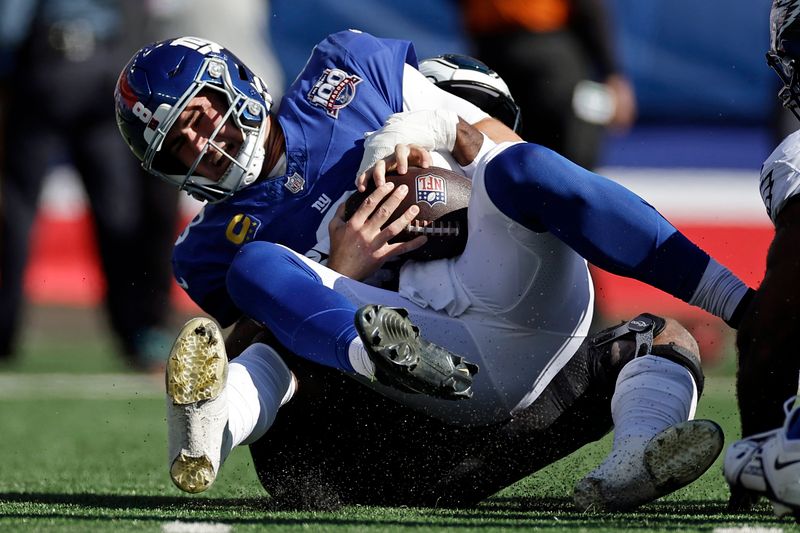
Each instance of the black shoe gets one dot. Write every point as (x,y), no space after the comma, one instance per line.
(405,361)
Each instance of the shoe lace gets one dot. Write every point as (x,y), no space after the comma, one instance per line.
(788,405)
(792,423)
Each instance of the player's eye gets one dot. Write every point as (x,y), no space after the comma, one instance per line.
(176,143)
(181,129)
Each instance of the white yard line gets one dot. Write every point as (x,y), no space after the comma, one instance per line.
(195,527)
(747,529)
(79,386)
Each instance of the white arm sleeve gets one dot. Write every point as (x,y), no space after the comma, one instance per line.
(420,93)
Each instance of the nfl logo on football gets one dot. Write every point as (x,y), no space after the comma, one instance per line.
(431,189)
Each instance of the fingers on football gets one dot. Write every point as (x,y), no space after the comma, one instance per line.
(376,173)
(361,180)
(402,222)
(411,154)
(370,203)
(385,211)
(405,247)
(379,172)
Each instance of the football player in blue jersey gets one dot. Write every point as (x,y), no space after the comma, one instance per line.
(272,245)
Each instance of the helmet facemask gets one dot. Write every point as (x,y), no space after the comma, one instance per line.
(789,94)
(784,48)
(248,115)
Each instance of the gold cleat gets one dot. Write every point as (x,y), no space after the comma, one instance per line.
(197,407)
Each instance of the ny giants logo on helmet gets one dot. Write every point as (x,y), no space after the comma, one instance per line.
(334,90)
(431,189)
(128,94)
(203,46)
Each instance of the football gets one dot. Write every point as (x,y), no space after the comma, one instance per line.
(442,197)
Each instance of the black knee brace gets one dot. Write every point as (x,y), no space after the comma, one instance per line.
(642,330)
(685,358)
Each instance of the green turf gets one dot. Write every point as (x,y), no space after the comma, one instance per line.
(98,463)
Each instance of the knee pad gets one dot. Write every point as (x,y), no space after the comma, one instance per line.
(685,358)
(642,330)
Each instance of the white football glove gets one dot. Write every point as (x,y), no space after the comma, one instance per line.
(432,129)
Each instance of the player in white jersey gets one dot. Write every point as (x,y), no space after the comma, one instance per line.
(518,300)
(763,463)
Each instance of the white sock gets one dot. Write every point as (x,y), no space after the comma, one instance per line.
(259,383)
(719,291)
(652,393)
(359,359)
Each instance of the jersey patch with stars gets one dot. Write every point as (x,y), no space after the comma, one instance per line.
(242,228)
(334,90)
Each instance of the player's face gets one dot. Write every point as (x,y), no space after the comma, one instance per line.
(192,133)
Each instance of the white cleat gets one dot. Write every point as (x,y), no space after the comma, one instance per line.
(197,406)
(672,459)
(768,464)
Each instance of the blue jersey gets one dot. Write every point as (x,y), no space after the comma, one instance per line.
(350,85)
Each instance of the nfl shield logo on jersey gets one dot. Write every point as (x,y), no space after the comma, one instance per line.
(431,189)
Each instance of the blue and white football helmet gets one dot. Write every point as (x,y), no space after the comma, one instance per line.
(472,80)
(157,85)
(784,50)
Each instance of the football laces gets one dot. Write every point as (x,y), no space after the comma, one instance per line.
(434,228)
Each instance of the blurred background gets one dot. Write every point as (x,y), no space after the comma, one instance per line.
(698,105)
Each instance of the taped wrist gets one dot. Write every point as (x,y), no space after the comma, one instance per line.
(431,129)
(446,129)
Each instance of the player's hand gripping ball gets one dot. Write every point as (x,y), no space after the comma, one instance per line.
(442,197)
